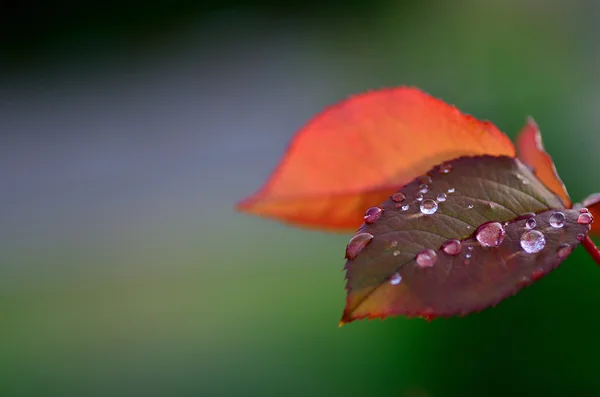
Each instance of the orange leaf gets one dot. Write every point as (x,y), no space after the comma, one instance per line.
(359,151)
(531,152)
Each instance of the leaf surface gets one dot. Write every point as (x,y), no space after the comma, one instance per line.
(531,152)
(361,150)
(488,200)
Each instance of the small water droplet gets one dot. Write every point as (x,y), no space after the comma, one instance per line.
(404,207)
(445,168)
(564,250)
(585,218)
(533,241)
(396,253)
(470,248)
(357,244)
(452,247)
(582,210)
(394,243)
(490,234)
(525,182)
(557,220)
(425,180)
(398,197)
(470,206)
(419,197)
(441,197)
(581,237)
(468,255)
(372,214)
(530,223)
(426,258)
(395,279)
(423,189)
(451,190)
(428,207)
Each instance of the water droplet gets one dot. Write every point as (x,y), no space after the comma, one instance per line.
(537,274)
(404,207)
(398,197)
(468,255)
(423,188)
(394,243)
(441,197)
(582,210)
(557,220)
(426,258)
(470,206)
(445,168)
(530,223)
(533,241)
(357,244)
(585,218)
(395,279)
(581,237)
(452,247)
(564,250)
(525,182)
(396,253)
(470,248)
(490,234)
(373,214)
(419,197)
(429,207)
(451,190)
(425,180)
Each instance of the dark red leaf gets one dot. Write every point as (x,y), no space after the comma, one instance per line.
(460,241)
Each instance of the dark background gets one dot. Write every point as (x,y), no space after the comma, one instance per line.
(128,132)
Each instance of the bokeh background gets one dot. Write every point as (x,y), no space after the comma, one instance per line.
(128,132)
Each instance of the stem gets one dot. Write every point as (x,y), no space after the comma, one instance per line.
(591,248)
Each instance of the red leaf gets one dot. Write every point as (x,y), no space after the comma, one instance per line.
(531,151)
(462,242)
(361,150)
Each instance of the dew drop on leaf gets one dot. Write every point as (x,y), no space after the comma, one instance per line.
(533,241)
(557,220)
(530,223)
(398,197)
(580,236)
(452,247)
(490,234)
(428,207)
(394,243)
(404,207)
(419,197)
(426,258)
(451,190)
(357,244)
(564,250)
(585,218)
(582,210)
(445,168)
(423,188)
(441,197)
(470,206)
(395,279)
(396,253)
(372,214)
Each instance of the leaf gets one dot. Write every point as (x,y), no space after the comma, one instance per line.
(531,152)
(361,150)
(489,200)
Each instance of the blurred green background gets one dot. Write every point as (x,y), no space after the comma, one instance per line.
(128,133)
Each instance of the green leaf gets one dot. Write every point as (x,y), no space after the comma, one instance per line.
(404,259)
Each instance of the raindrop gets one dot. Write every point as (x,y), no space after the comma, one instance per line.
(419,197)
(429,207)
(441,197)
(357,244)
(564,250)
(585,218)
(395,279)
(582,210)
(445,168)
(452,247)
(530,223)
(373,214)
(490,234)
(425,180)
(423,188)
(533,241)
(581,237)
(398,197)
(396,253)
(451,190)
(470,206)
(394,243)
(557,220)
(470,248)
(426,258)
(468,255)
(404,207)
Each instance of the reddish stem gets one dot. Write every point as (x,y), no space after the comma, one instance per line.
(591,248)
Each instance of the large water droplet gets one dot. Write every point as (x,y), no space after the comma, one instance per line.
(530,223)
(445,168)
(557,220)
(395,279)
(398,197)
(404,207)
(357,244)
(428,207)
(373,214)
(419,197)
(451,190)
(533,241)
(585,218)
(490,234)
(564,250)
(452,247)
(441,197)
(423,188)
(426,258)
